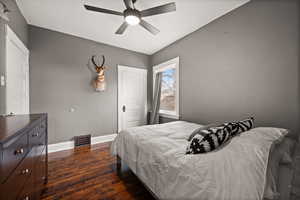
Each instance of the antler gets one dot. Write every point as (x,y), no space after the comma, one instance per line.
(103,61)
(93,61)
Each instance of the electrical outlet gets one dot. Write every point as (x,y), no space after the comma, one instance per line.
(2,80)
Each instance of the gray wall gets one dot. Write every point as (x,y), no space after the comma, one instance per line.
(60,80)
(19,25)
(245,63)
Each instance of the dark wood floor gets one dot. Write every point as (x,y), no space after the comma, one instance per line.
(90,173)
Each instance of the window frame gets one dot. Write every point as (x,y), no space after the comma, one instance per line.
(173,63)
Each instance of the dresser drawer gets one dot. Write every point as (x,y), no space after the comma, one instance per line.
(36,136)
(40,168)
(29,192)
(40,145)
(13,153)
(43,126)
(14,184)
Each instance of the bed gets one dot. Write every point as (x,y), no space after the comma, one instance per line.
(241,170)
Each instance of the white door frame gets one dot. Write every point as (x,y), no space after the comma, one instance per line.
(11,37)
(120,104)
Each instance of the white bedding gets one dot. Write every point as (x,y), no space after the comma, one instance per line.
(156,154)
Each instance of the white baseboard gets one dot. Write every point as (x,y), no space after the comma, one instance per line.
(60,146)
(102,139)
(70,144)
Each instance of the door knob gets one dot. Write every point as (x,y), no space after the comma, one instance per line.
(124,108)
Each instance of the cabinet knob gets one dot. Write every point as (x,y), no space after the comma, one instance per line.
(19,151)
(35,134)
(25,171)
(26,198)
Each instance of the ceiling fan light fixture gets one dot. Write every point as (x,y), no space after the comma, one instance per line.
(132,17)
(132,20)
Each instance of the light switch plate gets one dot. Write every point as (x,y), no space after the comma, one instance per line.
(2,80)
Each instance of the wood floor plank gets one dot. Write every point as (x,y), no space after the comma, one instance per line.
(90,173)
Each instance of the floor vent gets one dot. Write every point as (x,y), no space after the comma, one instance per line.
(82,140)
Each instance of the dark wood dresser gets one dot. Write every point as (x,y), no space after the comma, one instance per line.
(23,156)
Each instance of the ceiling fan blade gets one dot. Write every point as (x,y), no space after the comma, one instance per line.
(149,27)
(170,7)
(102,10)
(128,4)
(122,28)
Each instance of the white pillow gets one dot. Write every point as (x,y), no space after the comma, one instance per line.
(277,155)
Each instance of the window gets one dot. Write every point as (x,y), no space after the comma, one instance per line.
(169,100)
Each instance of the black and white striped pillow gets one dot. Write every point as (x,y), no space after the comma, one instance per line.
(198,130)
(210,139)
(242,126)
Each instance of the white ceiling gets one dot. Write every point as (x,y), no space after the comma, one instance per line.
(69,16)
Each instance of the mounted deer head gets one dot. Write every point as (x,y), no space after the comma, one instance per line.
(99,83)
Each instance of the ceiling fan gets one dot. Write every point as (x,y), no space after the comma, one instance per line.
(132,16)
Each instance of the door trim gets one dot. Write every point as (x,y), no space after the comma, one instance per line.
(133,69)
(11,36)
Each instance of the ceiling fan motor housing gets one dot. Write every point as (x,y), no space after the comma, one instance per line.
(132,12)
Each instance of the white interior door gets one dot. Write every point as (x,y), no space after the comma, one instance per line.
(17,75)
(132,97)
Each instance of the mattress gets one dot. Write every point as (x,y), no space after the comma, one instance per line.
(156,154)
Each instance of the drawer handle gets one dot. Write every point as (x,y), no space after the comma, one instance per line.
(35,134)
(19,151)
(25,171)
